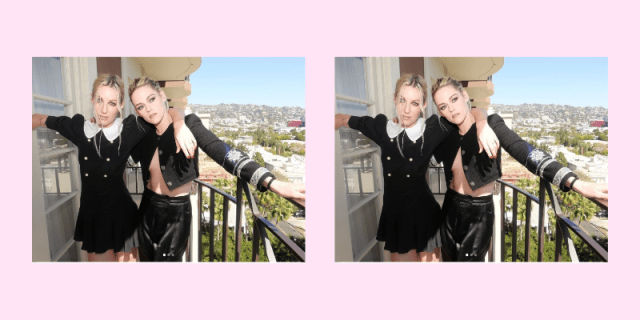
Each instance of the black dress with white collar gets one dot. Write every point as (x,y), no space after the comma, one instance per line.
(108,215)
(410,216)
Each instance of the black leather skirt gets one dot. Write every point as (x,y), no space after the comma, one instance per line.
(166,224)
(468,226)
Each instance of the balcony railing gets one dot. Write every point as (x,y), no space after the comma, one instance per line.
(260,227)
(564,226)
(133,179)
(436,179)
(357,185)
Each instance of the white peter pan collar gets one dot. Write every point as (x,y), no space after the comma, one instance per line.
(414,133)
(111,133)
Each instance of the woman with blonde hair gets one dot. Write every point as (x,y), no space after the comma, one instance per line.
(468,205)
(409,222)
(165,207)
(107,217)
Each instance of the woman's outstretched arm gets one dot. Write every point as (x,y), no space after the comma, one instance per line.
(542,164)
(294,192)
(597,192)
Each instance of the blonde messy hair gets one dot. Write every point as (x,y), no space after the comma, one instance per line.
(447,81)
(112,81)
(411,80)
(141,82)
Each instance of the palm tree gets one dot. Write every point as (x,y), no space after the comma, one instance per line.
(531,186)
(217,213)
(577,207)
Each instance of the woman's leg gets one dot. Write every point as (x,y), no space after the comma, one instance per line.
(410,256)
(108,256)
(448,227)
(433,256)
(172,227)
(478,220)
(131,256)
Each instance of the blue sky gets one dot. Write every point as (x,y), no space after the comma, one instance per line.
(275,82)
(578,82)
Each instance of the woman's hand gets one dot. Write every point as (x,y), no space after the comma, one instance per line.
(185,140)
(487,139)
(597,192)
(290,191)
(342,120)
(37,120)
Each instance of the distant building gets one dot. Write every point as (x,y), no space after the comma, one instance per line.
(292,141)
(243,140)
(597,123)
(294,123)
(547,140)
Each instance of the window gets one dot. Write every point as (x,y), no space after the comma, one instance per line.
(358,190)
(55,198)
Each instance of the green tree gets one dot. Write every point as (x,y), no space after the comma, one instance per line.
(275,206)
(299,135)
(529,185)
(548,254)
(281,252)
(258,159)
(562,159)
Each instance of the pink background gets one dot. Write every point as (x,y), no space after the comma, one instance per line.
(321,288)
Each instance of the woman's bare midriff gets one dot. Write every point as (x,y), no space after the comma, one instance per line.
(460,184)
(157,183)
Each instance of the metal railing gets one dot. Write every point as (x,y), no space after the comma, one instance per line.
(134,173)
(564,226)
(260,224)
(360,171)
(439,171)
(260,227)
(56,172)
